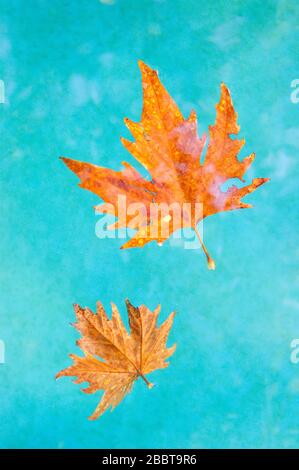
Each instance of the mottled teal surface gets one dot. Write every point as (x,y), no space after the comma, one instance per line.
(71,75)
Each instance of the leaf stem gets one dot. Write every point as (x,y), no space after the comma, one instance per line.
(149,384)
(211,262)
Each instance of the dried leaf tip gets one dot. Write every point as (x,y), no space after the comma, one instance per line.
(144,67)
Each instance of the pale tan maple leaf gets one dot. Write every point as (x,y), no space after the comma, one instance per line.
(113,358)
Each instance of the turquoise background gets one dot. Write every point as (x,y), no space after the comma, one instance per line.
(71,76)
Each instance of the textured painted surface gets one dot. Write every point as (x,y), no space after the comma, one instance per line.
(71,76)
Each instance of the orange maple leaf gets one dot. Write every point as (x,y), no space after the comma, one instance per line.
(169,148)
(125,357)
